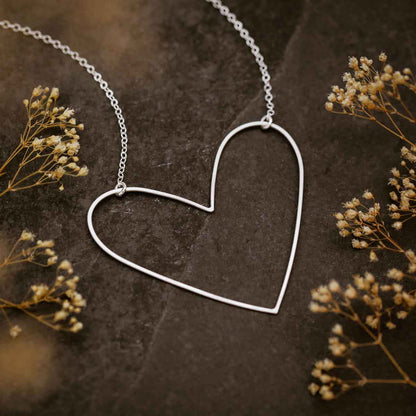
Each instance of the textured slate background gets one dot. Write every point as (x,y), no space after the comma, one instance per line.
(184,79)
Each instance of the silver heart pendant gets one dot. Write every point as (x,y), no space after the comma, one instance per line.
(210,209)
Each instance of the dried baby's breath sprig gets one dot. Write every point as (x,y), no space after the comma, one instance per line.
(375,94)
(362,221)
(403,180)
(373,307)
(48,147)
(364,224)
(378,94)
(54,305)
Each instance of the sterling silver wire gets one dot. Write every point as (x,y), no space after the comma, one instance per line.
(65,49)
(210,208)
(265,123)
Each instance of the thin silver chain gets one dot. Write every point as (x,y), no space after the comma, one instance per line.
(27,31)
(255,50)
(65,49)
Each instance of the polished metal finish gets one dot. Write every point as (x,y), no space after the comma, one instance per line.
(121,188)
(210,208)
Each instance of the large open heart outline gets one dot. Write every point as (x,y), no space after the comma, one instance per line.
(210,209)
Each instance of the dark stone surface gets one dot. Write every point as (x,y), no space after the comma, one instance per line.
(184,79)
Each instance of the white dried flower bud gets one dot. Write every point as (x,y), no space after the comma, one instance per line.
(353,62)
(15,330)
(368,195)
(76,327)
(334,286)
(337,329)
(66,265)
(52,260)
(27,236)
(350,292)
(329,106)
(388,69)
(373,256)
(37,91)
(45,243)
(60,316)
(313,388)
(54,93)
(83,171)
(382,57)
(398,225)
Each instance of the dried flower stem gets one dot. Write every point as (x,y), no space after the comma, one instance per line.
(366,293)
(374,94)
(366,224)
(61,294)
(42,156)
(377,341)
(381,303)
(371,305)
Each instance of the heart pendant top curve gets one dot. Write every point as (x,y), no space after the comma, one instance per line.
(210,209)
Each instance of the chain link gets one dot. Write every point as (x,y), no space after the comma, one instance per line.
(255,50)
(98,78)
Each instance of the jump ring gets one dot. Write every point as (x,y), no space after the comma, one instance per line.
(266,121)
(122,188)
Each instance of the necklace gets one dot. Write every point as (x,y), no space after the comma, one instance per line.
(266,123)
